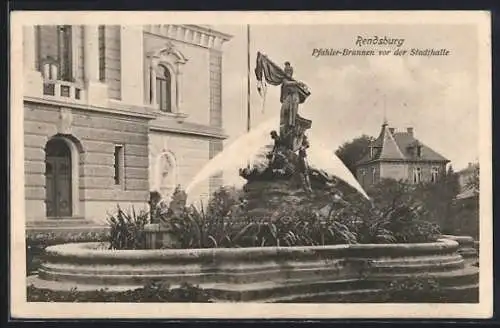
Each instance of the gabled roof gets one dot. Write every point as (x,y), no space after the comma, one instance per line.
(389,149)
(399,146)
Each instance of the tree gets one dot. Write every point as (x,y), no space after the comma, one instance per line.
(353,151)
(451,182)
(473,182)
(450,171)
(438,198)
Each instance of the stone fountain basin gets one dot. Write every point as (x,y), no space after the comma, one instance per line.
(468,247)
(267,274)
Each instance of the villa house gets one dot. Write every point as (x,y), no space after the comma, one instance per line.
(400,156)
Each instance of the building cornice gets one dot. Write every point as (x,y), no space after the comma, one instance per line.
(115,108)
(169,125)
(208,30)
(191,34)
(188,128)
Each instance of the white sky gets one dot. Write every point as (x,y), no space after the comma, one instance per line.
(437,96)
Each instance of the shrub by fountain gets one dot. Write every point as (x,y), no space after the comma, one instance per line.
(127,229)
(318,219)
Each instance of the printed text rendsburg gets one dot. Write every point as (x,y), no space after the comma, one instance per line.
(382,41)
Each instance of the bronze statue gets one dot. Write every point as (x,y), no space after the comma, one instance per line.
(293,93)
(289,101)
(278,143)
(288,155)
(302,166)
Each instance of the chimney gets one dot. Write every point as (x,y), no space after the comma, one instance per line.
(391,130)
(410,131)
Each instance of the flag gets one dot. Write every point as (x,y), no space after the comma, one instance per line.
(267,71)
(265,68)
(262,89)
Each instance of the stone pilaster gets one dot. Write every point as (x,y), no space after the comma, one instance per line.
(97,92)
(33,82)
(132,68)
(215,88)
(215,181)
(216,146)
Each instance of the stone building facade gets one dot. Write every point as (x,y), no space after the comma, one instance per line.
(399,156)
(114,112)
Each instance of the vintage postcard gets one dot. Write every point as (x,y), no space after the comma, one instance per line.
(251,165)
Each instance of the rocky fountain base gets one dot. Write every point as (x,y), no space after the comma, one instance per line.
(285,180)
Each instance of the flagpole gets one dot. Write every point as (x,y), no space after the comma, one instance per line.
(248,78)
(385,109)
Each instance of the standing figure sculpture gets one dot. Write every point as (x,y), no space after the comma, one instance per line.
(293,93)
(289,101)
(303,167)
(277,142)
(288,156)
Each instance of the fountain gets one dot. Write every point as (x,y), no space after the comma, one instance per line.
(291,170)
(282,175)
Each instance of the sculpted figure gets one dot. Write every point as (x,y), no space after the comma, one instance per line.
(302,166)
(289,101)
(293,93)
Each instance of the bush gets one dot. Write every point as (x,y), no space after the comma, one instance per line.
(394,215)
(294,226)
(466,218)
(414,289)
(222,225)
(37,242)
(304,226)
(45,239)
(408,290)
(127,229)
(154,292)
(225,202)
(419,289)
(198,229)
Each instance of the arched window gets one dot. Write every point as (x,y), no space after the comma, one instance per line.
(164,88)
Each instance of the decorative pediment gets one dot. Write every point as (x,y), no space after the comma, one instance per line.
(201,35)
(169,51)
(171,58)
